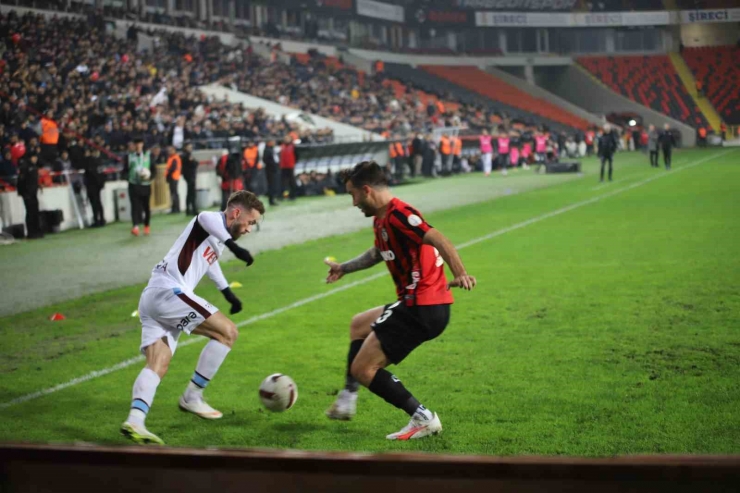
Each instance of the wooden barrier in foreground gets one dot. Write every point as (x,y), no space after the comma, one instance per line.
(90,468)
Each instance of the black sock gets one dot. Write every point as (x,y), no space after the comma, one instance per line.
(351,384)
(391,389)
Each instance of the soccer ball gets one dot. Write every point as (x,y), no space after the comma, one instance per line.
(145,174)
(278,392)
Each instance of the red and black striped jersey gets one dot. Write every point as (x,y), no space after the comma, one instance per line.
(417,269)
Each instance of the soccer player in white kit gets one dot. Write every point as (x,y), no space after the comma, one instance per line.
(169,307)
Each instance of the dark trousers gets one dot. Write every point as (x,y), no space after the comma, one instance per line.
(248,175)
(273,181)
(190,207)
(654,158)
(225,194)
(174,195)
(667,151)
(399,163)
(140,210)
(33,218)
(289,182)
(604,160)
(49,154)
(93,195)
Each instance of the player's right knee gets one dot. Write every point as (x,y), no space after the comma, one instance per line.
(230,335)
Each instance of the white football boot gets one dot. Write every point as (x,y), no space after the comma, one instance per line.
(418,428)
(199,408)
(345,407)
(138,434)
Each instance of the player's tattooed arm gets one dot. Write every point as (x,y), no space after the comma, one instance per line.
(364,261)
(449,254)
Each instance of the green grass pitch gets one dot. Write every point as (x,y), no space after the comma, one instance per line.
(610,328)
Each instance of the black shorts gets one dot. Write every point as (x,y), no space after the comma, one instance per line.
(401,328)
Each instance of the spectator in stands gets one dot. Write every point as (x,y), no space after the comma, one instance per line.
(140,170)
(667,142)
(287,167)
(28,187)
(190,174)
(8,170)
(174,171)
(653,145)
(49,139)
(63,166)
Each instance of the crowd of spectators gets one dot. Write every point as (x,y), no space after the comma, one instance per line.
(68,81)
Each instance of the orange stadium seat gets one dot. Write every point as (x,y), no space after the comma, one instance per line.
(492,87)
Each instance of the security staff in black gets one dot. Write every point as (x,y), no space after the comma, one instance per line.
(607,148)
(28,187)
(667,142)
(190,174)
(94,183)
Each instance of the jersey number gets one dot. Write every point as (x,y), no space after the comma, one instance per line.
(387,313)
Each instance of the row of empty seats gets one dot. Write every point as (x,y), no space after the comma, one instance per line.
(492,87)
(718,67)
(649,80)
(448,90)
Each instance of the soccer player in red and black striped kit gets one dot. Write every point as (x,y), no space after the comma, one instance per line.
(415,254)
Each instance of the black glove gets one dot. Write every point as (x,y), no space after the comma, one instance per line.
(236,305)
(239,252)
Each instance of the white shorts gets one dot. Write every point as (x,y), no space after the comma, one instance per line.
(167,312)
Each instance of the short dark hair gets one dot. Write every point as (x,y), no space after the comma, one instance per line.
(246,199)
(365,173)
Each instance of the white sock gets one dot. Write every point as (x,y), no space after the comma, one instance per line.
(208,364)
(423,413)
(145,387)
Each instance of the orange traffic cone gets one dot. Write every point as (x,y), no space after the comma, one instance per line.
(56,317)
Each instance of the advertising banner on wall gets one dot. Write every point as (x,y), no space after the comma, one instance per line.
(379,10)
(513,5)
(603,19)
(428,15)
(714,15)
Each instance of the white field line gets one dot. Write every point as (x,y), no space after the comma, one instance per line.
(138,359)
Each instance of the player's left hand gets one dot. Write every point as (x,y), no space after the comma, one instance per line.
(236,304)
(465,281)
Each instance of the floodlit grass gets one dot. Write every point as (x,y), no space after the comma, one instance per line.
(612,328)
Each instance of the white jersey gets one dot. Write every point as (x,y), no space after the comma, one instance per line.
(194,254)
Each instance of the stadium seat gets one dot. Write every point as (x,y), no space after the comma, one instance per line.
(492,87)
(448,90)
(649,80)
(718,67)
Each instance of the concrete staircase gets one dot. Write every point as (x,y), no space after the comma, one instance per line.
(687,77)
